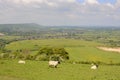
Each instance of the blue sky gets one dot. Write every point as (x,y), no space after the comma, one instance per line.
(108,1)
(61,12)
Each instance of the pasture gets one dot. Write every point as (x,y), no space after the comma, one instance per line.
(78,50)
(39,70)
(33,44)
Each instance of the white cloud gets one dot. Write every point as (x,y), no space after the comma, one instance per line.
(117,5)
(91,2)
(58,11)
(71,1)
(50,3)
(110,5)
(36,3)
(32,1)
(26,1)
(68,1)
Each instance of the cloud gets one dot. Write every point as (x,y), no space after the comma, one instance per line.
(117,5)
(69,1)
(91,2)
(60,11)
(26,1)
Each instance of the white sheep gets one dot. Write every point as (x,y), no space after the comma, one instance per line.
(53,64)
(21,62)
(94,66)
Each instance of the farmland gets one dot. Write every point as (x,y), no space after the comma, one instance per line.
(39,70)
(81,44)
(78,51)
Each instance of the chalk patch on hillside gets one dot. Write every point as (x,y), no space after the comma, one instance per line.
(110,49)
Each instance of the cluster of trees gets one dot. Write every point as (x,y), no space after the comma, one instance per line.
(52,53)
(44,54)
(107,35)
(102,36)
(3,43)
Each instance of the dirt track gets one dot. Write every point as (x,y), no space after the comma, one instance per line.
(110,49)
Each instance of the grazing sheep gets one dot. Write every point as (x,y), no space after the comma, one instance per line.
(21,62)
(53,63)
(94,66)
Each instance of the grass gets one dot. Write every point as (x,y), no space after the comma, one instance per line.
(32,44)
(39,70)
(78,50)
(10,37)
(93,54)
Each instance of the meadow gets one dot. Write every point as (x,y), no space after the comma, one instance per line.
(79,51)
(39,70)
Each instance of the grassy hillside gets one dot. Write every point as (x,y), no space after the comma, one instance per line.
(31,44)
(38,70)
(80,42)
(106,35)
(78,50)
(88,54)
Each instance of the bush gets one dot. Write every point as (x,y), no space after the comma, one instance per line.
(52,53)
(30,57)
(42,57)
(4,55)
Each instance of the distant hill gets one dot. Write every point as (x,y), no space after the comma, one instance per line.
(27,27)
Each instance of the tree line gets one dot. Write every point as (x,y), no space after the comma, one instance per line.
(43,54)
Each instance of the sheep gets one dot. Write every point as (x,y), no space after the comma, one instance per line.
(21,62)
(94,66)
(53,63)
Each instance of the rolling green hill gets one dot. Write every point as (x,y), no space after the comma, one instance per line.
(27,27)
(80,42)
(78,50)
(39,70)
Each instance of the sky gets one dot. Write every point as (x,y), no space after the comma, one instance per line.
(61,12)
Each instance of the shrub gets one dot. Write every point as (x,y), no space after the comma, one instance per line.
(4,55)
(42,57)
(30,57)
(52,53)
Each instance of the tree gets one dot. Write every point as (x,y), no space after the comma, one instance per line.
(52,53)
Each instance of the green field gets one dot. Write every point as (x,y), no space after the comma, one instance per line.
(31,44)
(78,50)
(39,70)
(93,54)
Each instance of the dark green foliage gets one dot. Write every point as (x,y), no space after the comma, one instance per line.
(4,55)
(14,55)
(3,43)
(30,57)
(52,53)
(44,54)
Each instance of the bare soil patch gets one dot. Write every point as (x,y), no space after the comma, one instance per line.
(110,49)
